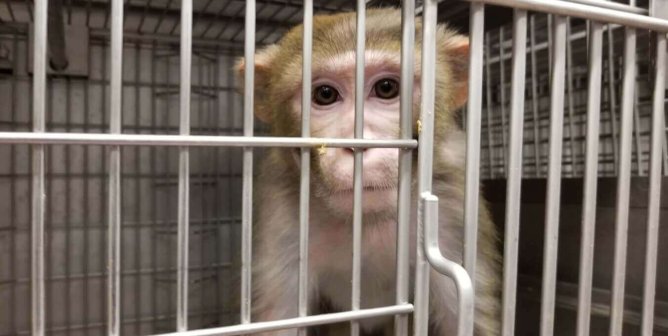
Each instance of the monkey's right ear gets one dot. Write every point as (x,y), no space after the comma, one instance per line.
(457,48)
(263,64)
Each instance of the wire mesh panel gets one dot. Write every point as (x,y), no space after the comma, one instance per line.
(537,94)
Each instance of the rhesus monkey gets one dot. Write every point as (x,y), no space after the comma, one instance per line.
(278,78)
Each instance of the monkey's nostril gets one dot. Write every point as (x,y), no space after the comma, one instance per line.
(352,150)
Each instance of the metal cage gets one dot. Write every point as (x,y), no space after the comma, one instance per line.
(127,156)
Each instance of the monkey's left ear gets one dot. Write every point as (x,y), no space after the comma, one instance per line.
(457,50)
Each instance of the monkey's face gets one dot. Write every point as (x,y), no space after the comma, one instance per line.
(278,100)
(333,116)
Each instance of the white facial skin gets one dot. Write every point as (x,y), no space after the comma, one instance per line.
(333,116)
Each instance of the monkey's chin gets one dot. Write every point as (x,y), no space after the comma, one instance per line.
(374,201)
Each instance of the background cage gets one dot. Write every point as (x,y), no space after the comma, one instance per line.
(76,197)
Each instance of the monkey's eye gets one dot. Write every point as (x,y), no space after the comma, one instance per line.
(325,95)
(386,88)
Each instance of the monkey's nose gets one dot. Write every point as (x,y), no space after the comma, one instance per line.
(352,150)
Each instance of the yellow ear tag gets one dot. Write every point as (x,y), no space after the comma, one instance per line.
(322,150)
(419,126)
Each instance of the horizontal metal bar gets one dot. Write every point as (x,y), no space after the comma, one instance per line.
(579,10)
(298,322)
(612,5)
(104,139)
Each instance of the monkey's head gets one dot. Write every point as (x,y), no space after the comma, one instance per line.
(278,80)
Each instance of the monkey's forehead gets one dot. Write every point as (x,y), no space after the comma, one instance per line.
(336,33)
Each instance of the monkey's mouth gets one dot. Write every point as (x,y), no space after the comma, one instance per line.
(370,188)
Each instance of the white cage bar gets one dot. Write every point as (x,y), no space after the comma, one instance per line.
(624,182)
(405,164)
(39,125)
(360,56)
(554,179)
(305,180)
(115,125)
(184,168)
(247,194)
(514,172)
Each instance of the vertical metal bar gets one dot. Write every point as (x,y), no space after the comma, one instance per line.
(104,158)
(38,192)
(590,178)
(137,195)
(442,265)
(488,105)
(623,183)
(612,96)
(184,168)
(48,218)
(305,191)
(114,225)
(233,246)
(358,157)
(502,92)
(534,93)
(654,205)
(554,176)
(68,207)
(154,195)
(474,108)
(12,190)
(636,131)
(86,203)
(206,218)
(49,191)
(425,161)
(513,201)
(405,163)
(215,129)
(569,91)
(247,192)
(202,156)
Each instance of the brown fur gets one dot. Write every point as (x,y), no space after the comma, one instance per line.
(278,77)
